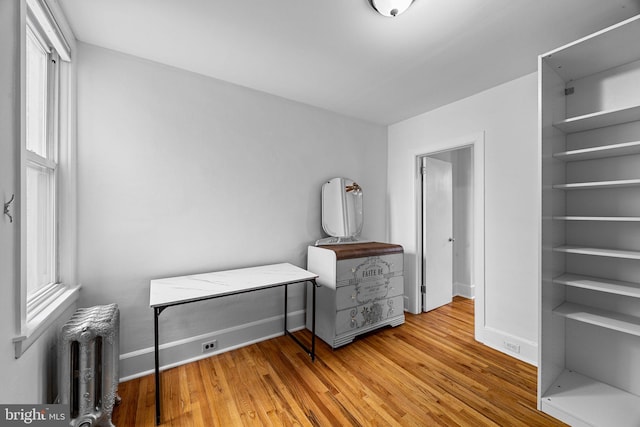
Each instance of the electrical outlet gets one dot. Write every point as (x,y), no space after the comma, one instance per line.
(209,346)
(512,347)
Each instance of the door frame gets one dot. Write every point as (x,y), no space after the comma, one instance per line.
(476,143)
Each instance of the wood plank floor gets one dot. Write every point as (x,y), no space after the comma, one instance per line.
(427,372)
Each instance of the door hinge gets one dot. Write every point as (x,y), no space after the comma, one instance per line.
(423,170)
(569,91)
(423,289)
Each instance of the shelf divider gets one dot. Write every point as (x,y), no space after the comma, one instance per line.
(599,119)
(603,318)
(601,152)
(598,218)
(611,253)
(599,284)
(598,184)
(591,402)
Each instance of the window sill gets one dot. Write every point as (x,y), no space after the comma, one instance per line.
(44,320)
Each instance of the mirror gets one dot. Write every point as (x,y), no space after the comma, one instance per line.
(341,210)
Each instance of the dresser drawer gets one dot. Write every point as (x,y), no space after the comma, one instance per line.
(368,291)
(366,315)
(356,270)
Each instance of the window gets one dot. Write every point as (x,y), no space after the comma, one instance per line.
(41,172)
(47,236)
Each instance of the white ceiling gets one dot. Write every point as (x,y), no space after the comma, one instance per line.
(341,55)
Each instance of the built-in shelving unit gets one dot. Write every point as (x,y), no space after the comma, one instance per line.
(590,293)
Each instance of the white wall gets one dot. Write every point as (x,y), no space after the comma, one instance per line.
(180,174)
(507,114)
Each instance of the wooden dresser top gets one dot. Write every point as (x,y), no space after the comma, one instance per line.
(360,250)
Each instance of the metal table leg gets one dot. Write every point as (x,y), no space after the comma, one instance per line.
(310,351)
(156,313)
(313,322)
(286,288)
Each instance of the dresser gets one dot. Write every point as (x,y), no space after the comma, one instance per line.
(362,289)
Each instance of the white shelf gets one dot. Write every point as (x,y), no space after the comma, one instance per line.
(599,218)
(611,253)
(598,284)
(598,184)
(613,150)
(594,53)
(599,119)
(591,402)
(603,318)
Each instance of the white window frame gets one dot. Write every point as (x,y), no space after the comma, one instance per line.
(40,310)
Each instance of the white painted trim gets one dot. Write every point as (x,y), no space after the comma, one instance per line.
(44,320)
(464,290)
(478,234)
(590,36)
(49,26)
(139,363)
(27,332)
(540,381)
(496,339)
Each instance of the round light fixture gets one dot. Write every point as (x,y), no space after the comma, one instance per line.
(390,7)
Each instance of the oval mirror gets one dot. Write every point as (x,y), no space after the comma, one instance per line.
(342,209)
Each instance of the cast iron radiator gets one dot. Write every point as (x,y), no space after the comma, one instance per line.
(88,354)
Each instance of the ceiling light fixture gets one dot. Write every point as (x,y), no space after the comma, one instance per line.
(390,7)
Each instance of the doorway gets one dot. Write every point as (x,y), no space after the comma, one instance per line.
(447,226)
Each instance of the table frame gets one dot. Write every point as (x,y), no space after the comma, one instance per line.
(158,309)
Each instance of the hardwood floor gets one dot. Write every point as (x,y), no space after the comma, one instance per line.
(427,372)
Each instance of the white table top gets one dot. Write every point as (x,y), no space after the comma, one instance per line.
(173,290)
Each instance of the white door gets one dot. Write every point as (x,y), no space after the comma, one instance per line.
(437,233)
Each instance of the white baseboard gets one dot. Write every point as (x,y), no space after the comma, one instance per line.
(139,363)
(521,349)
(464,290)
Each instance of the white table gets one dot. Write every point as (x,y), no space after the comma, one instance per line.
(179,290)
